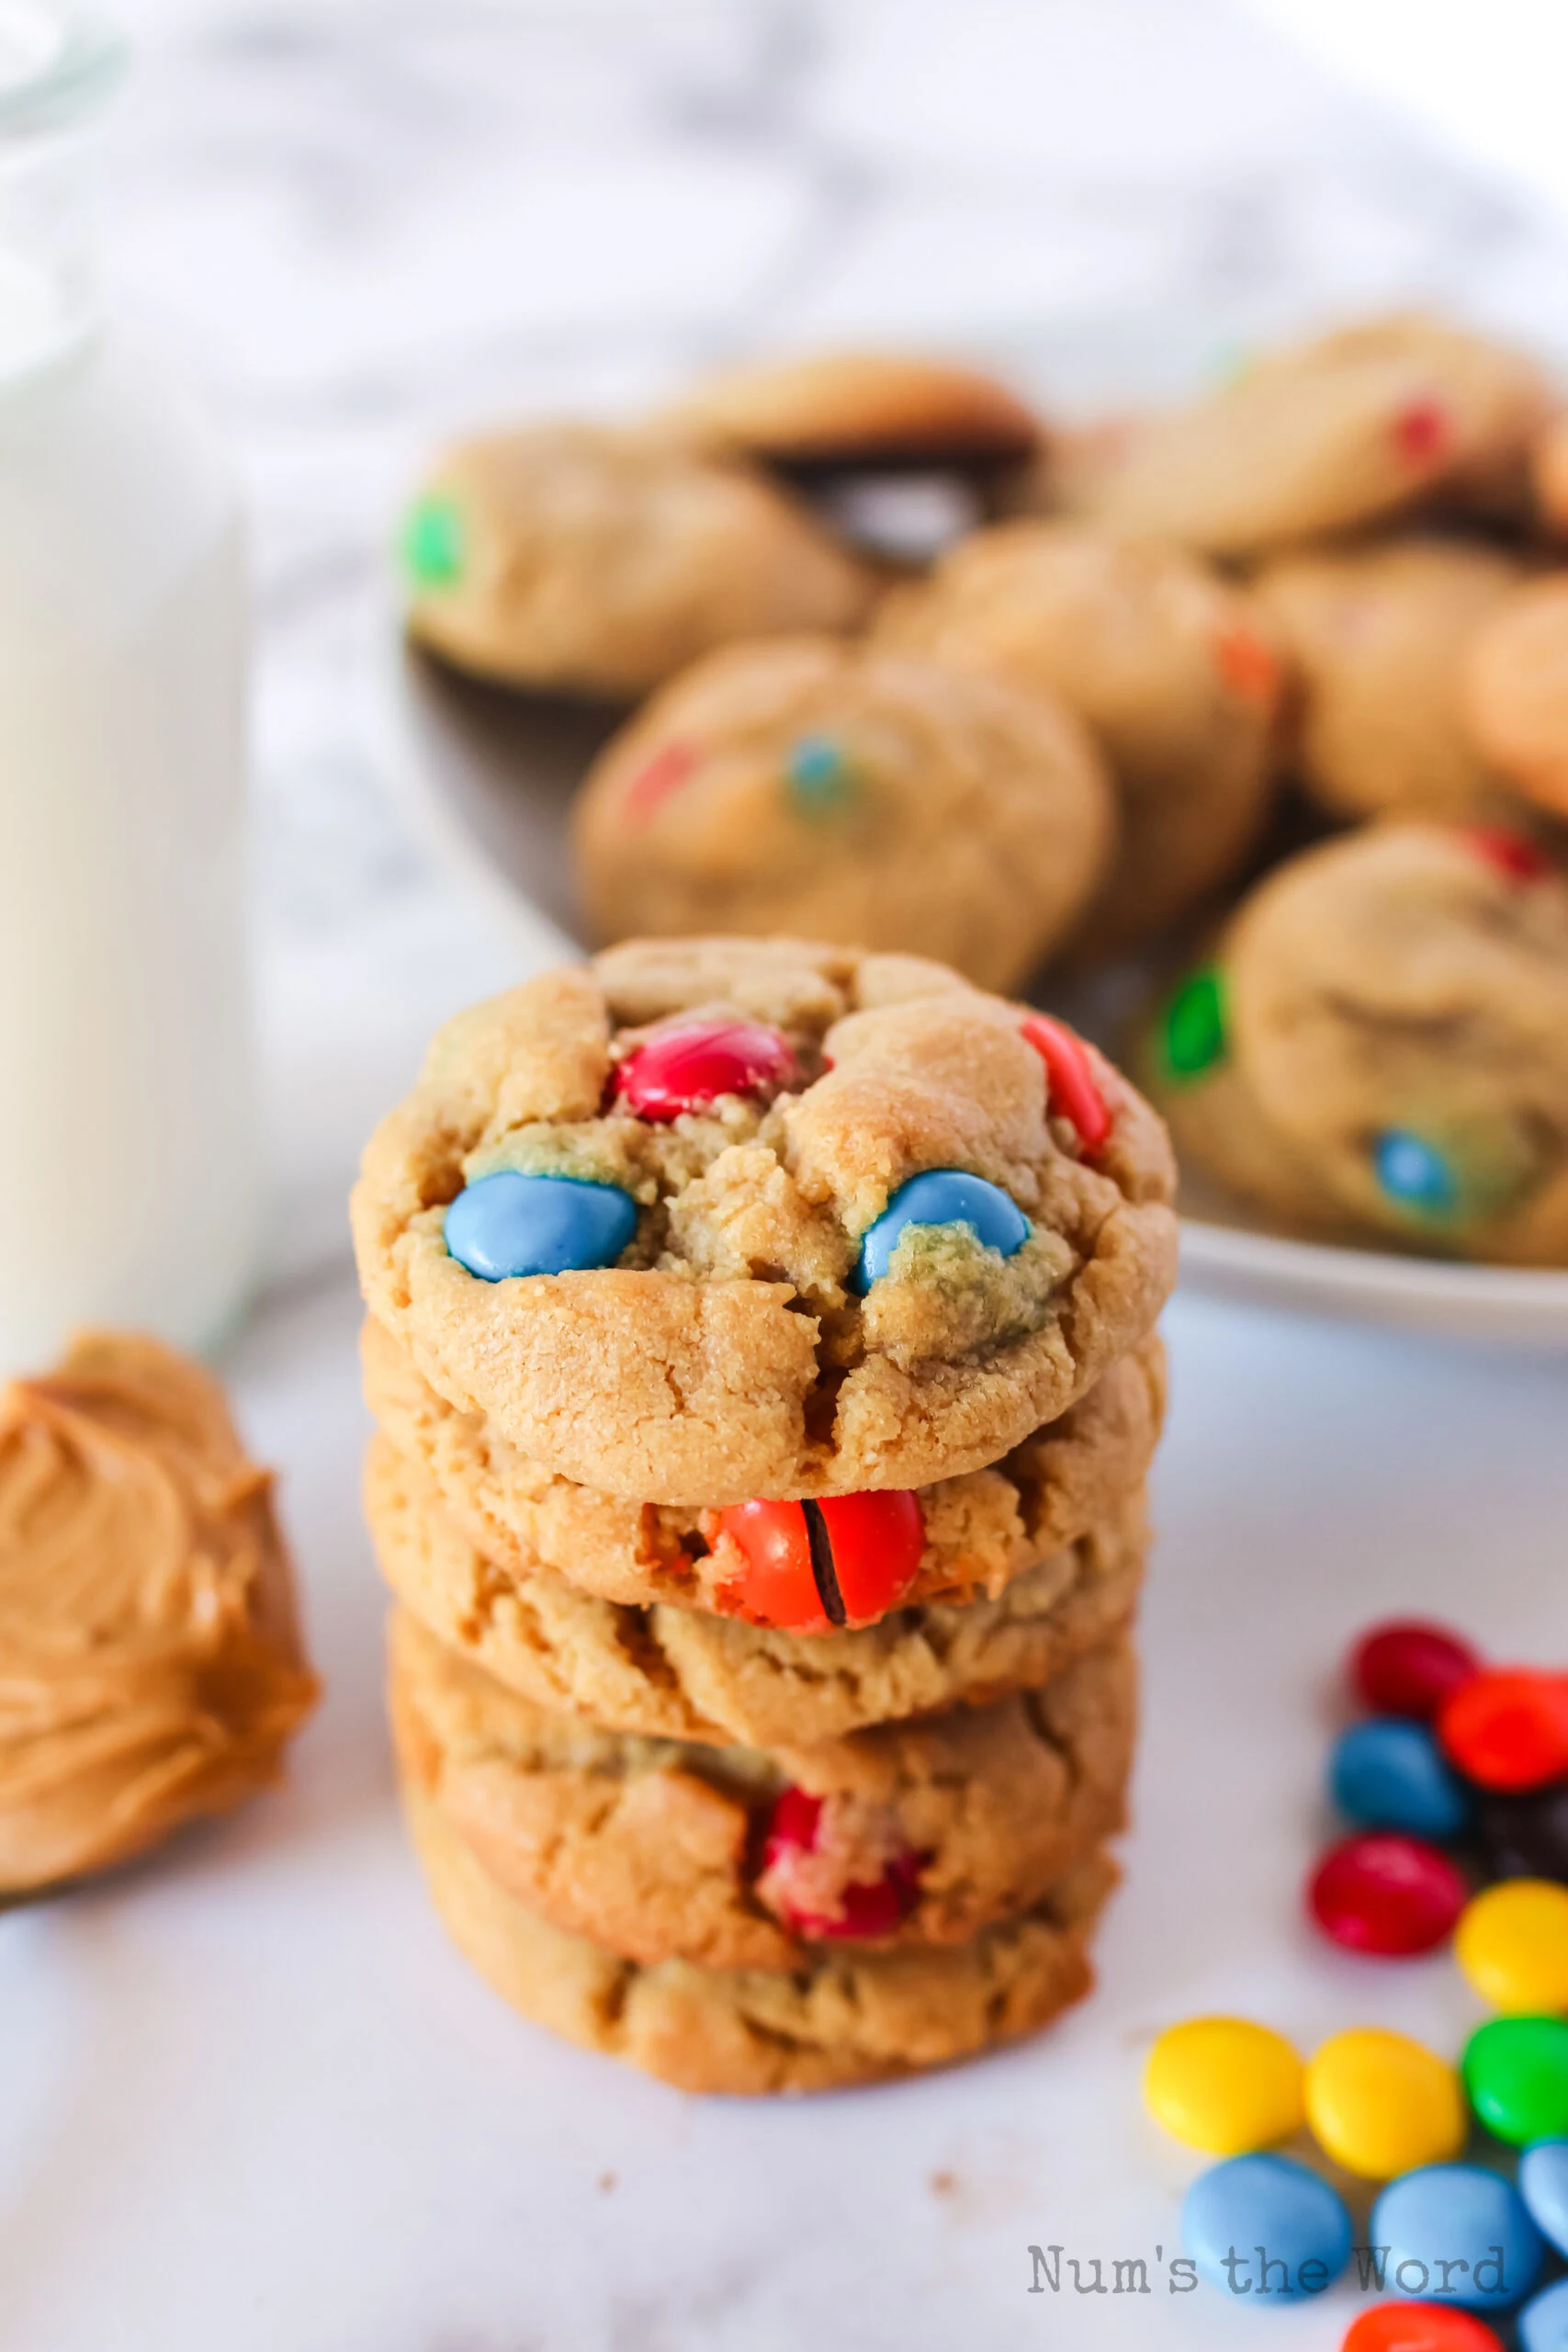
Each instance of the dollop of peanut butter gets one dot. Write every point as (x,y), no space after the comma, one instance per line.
(151,1662)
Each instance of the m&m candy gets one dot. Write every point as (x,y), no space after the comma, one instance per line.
(686,1069)
(1224,2085)
(819,775)
(810,1567)
(1410,1668)
(1193,1039)
(659,776)
(1413,1173)
(1508,1729)
(1516,2071)
(942,1196)
(1387,1895)
(1525,1837)
(1381,2104)
(1421,432)
(863,1910)
(1543,2323)
(1420,2327)
(1543,2185)
(1513,855)
(1389,1775)
(433,542)
(1074,1089)
(1455,2234)
(509,1223)
(1512,1945)
(1264,2227)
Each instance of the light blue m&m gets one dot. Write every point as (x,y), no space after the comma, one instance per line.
(1266,2228)
(1543,2185)
(1414,1172)
(511,1224)
(1390,1775)
(942,1196)
(1455,2234)
(820,778)
(1543,2323)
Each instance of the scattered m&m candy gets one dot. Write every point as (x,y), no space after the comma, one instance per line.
(1410,1668)
(1389,1773)
(688,1069)
(1512,1945)
(1455,2234)
(1224,2085)
(1074,1089)
(1264,2227)
(1543,2185)
(1508,1729)
(862,1910)
(1387,1895)
(942,1196)
(1193,1039)
(1516,2071)
(509,1223)
(1543,2323)
(1420,2327)
(811,1566)
(1381,2104)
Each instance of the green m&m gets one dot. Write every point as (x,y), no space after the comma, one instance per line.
(1193,1038)
(1515,2072)
(433,542)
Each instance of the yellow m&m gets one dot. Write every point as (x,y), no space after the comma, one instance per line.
(1224,2085)
(1381,2104)
(1512,1943)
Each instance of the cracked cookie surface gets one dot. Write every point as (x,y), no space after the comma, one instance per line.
(844,2017)
(656,1849)
(728,1353)
(678,1673)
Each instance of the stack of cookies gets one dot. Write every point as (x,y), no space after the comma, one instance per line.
(762,1348)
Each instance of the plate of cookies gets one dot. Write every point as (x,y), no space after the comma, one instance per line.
(1234,734)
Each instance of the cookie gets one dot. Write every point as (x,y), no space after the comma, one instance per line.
(1395,416)
(1549,476)
(1173,671)
(889,1273)
(922,1833)
(858,409)
(844,2017)
(1378,637)
(581,558)
(1396,1011)
(668,1673)
(847,793)
(151,1664)
(974,1533)
(1514,691)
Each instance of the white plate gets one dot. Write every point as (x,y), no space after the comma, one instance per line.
(490,775)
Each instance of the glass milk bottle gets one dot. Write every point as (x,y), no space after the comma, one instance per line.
(129,1181)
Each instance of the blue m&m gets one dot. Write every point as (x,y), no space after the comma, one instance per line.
(1390,1775)
(1264,2227)
(942,1196)
(1457,2234)
(1543,2324)
(511,1224)
(1414,1172)
(1543,2185)
(819,775)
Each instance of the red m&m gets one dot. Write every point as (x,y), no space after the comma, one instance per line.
(1386,1895)
(1508,1729)
(812,1566)
(652,784)
(1421,432)
(1420,2327)
(685,1070)
(867,1908)
(1073,1087)
(1410,1668)
(1513,855)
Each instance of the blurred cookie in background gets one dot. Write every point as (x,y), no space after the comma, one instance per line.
(587,560)
(1174,671)
(1378,636)
(849,793)
(1514,691)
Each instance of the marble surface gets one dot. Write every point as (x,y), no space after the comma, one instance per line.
(250,2098)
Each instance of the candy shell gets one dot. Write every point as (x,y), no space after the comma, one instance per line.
(1543,2185)
(1543,2323)
(866,1910)
(1274,2203)
(1390,1775)
(433,543)
(810,1567)
(1420,2327)
(1525,1837)
(1512,1944)
(1387,1895)
(651,787)
(819,775)
(1408,1667)
(1073,1089)
(1193,1038)
(942,1196)
(1421,432)
(1455,2234)
(1224,2085)
(1413,1173)
(1508,1729)
(508,1224)
(1516,2071)
(687,1069)
(1513,855)
(1381,2104)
